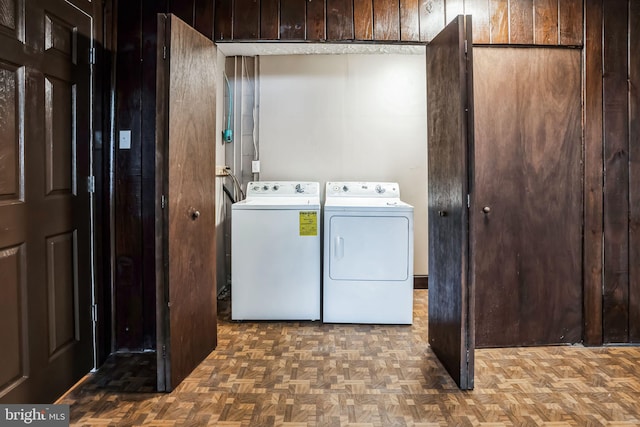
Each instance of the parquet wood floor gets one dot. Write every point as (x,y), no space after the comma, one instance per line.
(310,374)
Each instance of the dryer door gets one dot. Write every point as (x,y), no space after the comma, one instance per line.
(369,248)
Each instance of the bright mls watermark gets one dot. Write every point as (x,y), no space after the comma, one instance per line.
(34,415)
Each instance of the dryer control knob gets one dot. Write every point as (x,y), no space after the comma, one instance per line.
(345,188)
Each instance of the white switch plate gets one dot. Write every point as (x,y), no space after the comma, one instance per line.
(125,140)
(255,166)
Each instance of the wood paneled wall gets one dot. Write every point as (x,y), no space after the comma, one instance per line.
(621,207)
(529,22)
(611,134)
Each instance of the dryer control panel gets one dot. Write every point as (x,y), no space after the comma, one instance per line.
(363,189)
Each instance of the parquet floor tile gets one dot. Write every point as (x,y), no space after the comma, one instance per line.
(311,374)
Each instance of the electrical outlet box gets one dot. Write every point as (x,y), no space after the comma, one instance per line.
(221,170)
(255,166)
(125,140)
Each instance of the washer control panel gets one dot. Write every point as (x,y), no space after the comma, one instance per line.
(363,189)
(282,189)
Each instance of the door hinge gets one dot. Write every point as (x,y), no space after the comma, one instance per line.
(466,47)
(92,55)
(91,184)
(164,351)
(468,201)
(94,313)
(164,52)
(163,201)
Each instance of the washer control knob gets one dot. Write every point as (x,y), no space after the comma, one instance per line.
(345,188)
(265,188)
(380,189)
(299,189)
(275,187)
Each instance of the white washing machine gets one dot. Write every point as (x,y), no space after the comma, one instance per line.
(368,254)
(275,252)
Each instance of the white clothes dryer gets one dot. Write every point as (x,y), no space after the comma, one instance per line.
(368,254)
(275,252)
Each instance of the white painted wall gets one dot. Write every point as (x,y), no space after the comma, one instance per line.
(348,117)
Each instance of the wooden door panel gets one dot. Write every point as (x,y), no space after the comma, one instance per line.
(62,288)
(386,20)
(11,142)
(316,20)
(528,172)
(246,15)
(14,333)
(293,19)
(45,247)
(449,109)
(186,176)
(60,146)
(11,20)
(340,17)
(363,19)
(269,19)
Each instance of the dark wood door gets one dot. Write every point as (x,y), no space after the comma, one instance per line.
(45,250)
(185,168)
(450,138)
(528,152)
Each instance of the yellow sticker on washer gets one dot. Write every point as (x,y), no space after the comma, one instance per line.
(308,223)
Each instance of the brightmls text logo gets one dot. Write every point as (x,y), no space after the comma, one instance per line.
(34,415)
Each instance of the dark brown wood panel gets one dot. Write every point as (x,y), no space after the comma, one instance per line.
(570,22)
(363,19)
(246,19)
(12,19)
(527,247)
(151,8)
(340,19)
(11,128)
(293,19)
(616,165)
(521,22)
(499,23)
(386,20)
(183,9)
(450,134)
(593,175)
(128,188)
(409,20)
(316,20)
(14,359)
(545,20)
(431,18)
(203,17)
(223,20)
(269,19)
(634,172)
(186,167)
(103,157)
(480,10)
(8,14)
(45,246)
